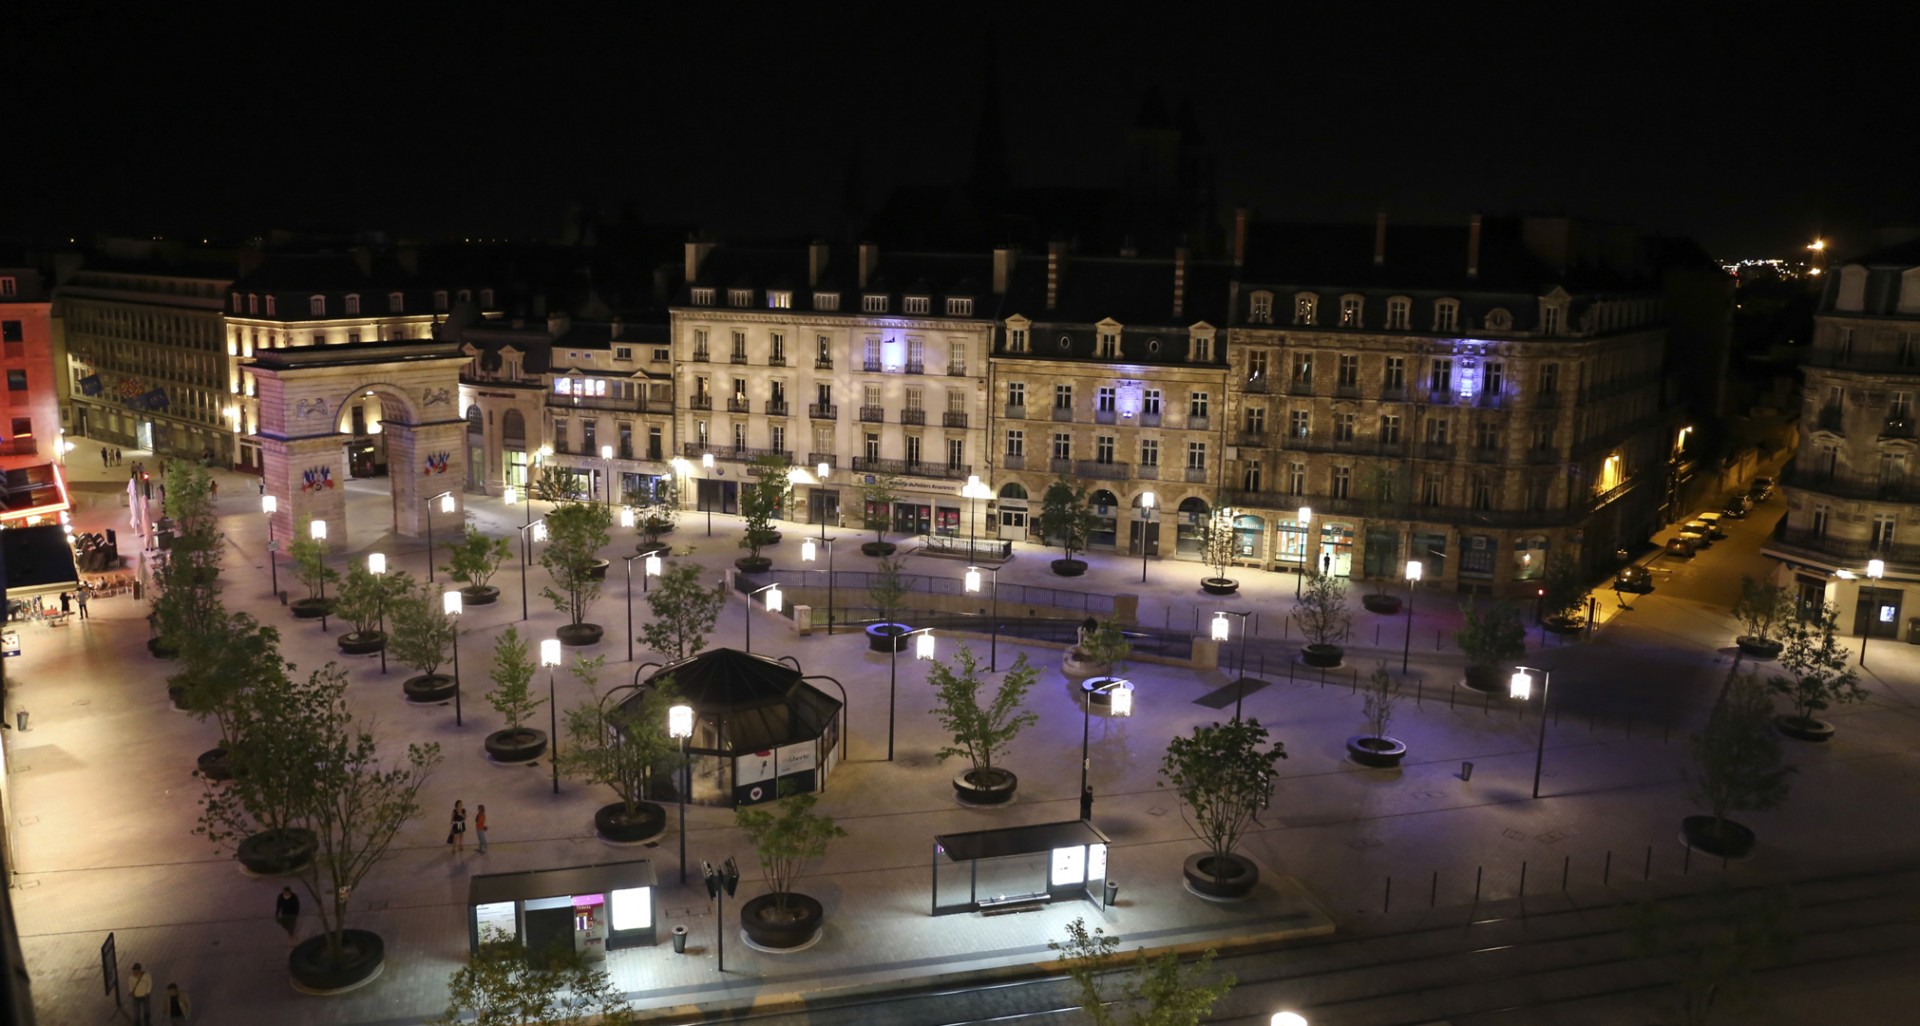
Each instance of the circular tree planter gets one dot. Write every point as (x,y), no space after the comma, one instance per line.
(276,852)
(1069,567)
(613,824)
(1323,656)
(522,745)
(1808,729)
(310,608)
(1376,752)
(479,594)
(753,564)
(1758,648)
(1219,585)
(428,688)
(1075,664)
(358,643)
(215,764)
(161,650)
(1101,698)
(653,530)
(887,637)
(1238,875)
(877,548)
(985,786)
(768,926)
(1568,625)
(1484,678)
(598,571)
(362,955)
(1386,605)
(1729,841)
(575,635)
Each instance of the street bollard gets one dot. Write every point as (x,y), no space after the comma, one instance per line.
(1466,771)
(679,940)
(21,718)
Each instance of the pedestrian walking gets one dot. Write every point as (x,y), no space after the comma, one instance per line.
(178,1007)
(140,988)
(480,827)
(66,603)
(83,603)
(213,488)
(286,912)
(457,831)
(103,457)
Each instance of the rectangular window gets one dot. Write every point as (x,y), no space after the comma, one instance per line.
(956,453)
(739,350)
(1343,426)
(916,398)
(1342,482)
(959,308)
(1196,455)
(1201,351)
(1150,402)
(1543,436)
(1496,378)
(1482,493)
(1296,479)
(1250,478)
(776,349)
(823,439)
(1017,340)
(1350,311)
(1299,424)
(1436,431)
(913,450)
(822,353)
(1440,377)
(1149,452)
(1446,315)
(1016,443)
(353,304)
(13,331)
(10,287)
(826,301)
(777,436)
(1261,308)
(1108,347)
(562,435)
(1395,377)
(1349,370)
(623,352)
(16,381)
(1016,393)
(957,358)
(872,446)
(1399,312)
(1549,378)
(1883,528)
(700,351)
(872,360)
(870,395)
(1390,428)
(873,304)
(779,300)
(1105,399)
(1432,487)
(916,304)
(1257,365)
(1486,435)
(1062,446)
(1063,397)
(1103,449)
(1197,405)
(1303,309)
(1303,369)
(1256,420)
(317,306)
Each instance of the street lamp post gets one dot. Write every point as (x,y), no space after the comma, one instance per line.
(1120,703)
(975,490)
(606,457)
(550,658)
(538,528)
(377,566)
(1520,686)
(922,649)
(706,464)
(820,472)
(1414,569)
(1305,519)
(808,554)
(993,637)
(1876,569)
(270,504)
(1146,524)
(447,505)
(773,606)
(450,603)
(680,725)
(1220,633)
(317,530)
(650,568)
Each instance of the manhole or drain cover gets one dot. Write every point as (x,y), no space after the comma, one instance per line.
(1550,837)
(1514,835)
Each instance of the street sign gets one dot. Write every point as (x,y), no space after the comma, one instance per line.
(109,968)
(10,644)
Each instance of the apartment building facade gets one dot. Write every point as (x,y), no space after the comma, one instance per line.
(30,406)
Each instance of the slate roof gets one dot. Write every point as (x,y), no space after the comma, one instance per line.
(756,703)
(937,276)
(1136,292)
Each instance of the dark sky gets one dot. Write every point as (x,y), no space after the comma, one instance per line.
(1726,122)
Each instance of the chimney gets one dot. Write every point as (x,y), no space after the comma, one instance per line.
(1056,257)
(1003,261)
(1380,239)
(869,256)
(816,262)
(614,328)
(1240,237)
(696,256)
(558,323)
(1473,247)
(1180,281)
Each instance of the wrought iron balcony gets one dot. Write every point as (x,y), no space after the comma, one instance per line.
(913,468)
(776,408)
(823,411)
(873,414)
(1016,411)
(700,402)
(953,419)
(1064,413)
(739,404)
(1100,471)
(912,417)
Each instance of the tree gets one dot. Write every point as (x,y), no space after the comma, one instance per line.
(275,724)
(1322,609)
(1383,691)
(1223,777)
(186,600)
(978,730)
(1216,542)
(218,666)
(475,558)
(1487,638)
(1065,518)
(1564,592)
(576,532)
(761,499)
(655,511)
(888,590)
(684,610)
(512,695)
(1157,992)
(503,984)
(365,596)
(1107,646)
(786,841)
(1737,761)
(309,557)
(878,497)
(1717,954)
(613,746)
(1764,610)
(422,630)
(1818,673)
(558,484)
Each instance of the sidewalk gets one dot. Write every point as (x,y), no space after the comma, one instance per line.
(105,801)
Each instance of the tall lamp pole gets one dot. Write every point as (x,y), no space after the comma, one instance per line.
(318,531)
(1519,687)
(922,649)
(1221,633)
(538,528)
(974,491)
(1876,569)
(1120,703)
(973,588)
(680,725)
(1414,569)
(606,457)
(1305,518)
(447,505)
(270,504)
(773,606)
(451,605)
(820,473)
(706,464)
(808,553)
(377,566)
(550,658)
(650,568)
(1146,522)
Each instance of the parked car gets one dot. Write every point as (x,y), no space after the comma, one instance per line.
(1633,578)
(1716,531)
(1683,546)
(1701,528)
(1761,489)
(1737,506)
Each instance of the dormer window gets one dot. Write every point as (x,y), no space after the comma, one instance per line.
(271,305)
(959,308)
(916,305)
(1498,319)
(1305,307)
(353,305)
(1399,313)
(873,304)
(1260,308)
(739,297)
(1108,347)
(1017,340)
(440,300)
(1350,311)
(1446,315)
(237,307)
(702,297)
(780,300)
(396,302)
(826,301)
(317,306)
(253,304)
(1200,349)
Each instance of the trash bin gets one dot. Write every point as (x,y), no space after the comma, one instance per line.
(21,718)
(1466,771)
(1113,894)
(1913,630)
(138,590)
(679,940)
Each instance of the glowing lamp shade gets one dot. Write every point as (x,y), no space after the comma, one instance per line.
(973,580)
(1876,568)
(1287,1019)
(606,452)
(706,460)
(1122,699)
(318,530)
(510,495)
(1415,569)
(446,503)
(652,564)
(923,647)
(626,516)
(376,562)
(808,550)
(1219,627)
(821,471)
(550,652)
(450,602)
(680,464)
(269,504)
(540,530)
(774,600)
(1305,516)
(680,721)
(1520,686)
(1146,500)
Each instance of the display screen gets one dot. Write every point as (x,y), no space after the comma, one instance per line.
(1096,861)
(632,908)
(495,915)
(1069,865)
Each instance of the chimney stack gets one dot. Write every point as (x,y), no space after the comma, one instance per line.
(1180,281)
(1380,239)
(696,255)
(1473,247)
(816,262)
(1240,237)
(1056,256)
(1003,260)
(869,256)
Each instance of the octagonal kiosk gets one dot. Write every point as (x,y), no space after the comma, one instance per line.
(587,909)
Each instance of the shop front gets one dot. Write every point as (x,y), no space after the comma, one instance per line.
(584,909)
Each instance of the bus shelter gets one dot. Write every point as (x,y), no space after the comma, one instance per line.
(587,909)
(1012,868)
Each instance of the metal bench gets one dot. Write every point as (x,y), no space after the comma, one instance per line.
(1001,904)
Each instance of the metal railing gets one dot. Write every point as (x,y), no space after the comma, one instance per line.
(776,408)
(912,417)
(739,404)
(873,414)
(912,468)
(1063,413)
(700,402)
(953,419)
(1016,411)
(1107,471)
(823,411)
(1846,485)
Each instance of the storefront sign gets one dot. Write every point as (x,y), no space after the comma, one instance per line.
(632,908)
(495,915)
(10,644)
(1069,866)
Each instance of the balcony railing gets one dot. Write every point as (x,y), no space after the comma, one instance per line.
(1543,456)
(1438,397)
(1841,484)
(814,459)
(1256,385)
(1863,359)
(1105,416)
(1063,413)
(1199,422)
(873,414)
(913,417)
(776,408)
(735,453)
(1060,466)
(1100,471)
(871,366)
(1300,387)
(1251,439)
(1147,471)
(1347,391)
(953,419)
(1014,461)
(1393,393)
(956,370)
(592,402)
(700,356)
(1414,512)
(823,411)
(1436,450)
(1493,401)
(1831,418)
(1858,549)
(1897,427)
(657,406)
(1016,411)
(913,468)
(1150,419)
(1197,475)
(700,402)
(739,404)
(823,363)
(1479,454)
(737,356)
(916,367)
(777,360)
(20,446)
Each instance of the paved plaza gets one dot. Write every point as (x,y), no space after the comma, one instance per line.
(105,801)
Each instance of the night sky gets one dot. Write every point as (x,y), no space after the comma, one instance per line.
(1746,130)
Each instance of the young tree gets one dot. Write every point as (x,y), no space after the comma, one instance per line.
(761,499)
(888,590)
(654,511)
(1107,646)
(1322,609)
(275,724)
(1223,776)
(1487,638)
(1065,518)
(878,497)
(365,598)
(218,666)
(1765,610)
(474,559)
(1818,672)
(422,630)
(1717,955)
(558,484)
(1737,761)
(614,746)
(309,557)
(1565,593)
(978,730)
(785,842)
(512,695)
(186,598)
(1216,543)
(503,984)
(1156,992)
(684,610)
(576,532)
(1383,691)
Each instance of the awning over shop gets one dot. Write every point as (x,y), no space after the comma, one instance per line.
(36,561)
(33,495)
